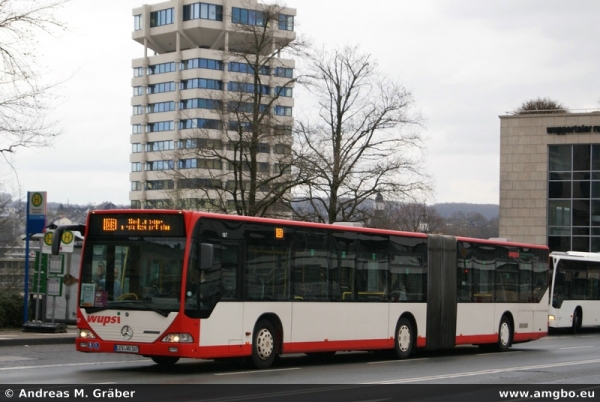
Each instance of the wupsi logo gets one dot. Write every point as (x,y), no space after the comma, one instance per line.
(104,319)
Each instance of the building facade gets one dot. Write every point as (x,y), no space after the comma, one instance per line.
(550,180)
(199,93)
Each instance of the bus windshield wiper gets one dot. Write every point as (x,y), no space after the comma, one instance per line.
(139,303)
(90,310)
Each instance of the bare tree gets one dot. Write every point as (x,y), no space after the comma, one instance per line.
(359,145)
(413,217)
(11,255)
(25,98)
(541,106)
(471,224)
(247,167)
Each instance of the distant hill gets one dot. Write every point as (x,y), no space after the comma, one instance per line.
(489,211)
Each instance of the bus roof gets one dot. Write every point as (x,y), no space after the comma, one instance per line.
(576,255)
(341,226)
(502,242)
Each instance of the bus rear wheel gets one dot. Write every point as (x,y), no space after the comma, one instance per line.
(264,345)
(405,338)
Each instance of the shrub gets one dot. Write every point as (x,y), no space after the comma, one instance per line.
(11,310)
(541,106)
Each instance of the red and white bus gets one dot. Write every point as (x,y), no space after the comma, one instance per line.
(575,290)
(181,284)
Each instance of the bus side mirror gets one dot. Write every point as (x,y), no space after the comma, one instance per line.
(55,248)
(206,256)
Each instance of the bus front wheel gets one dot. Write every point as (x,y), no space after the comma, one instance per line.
(264,345)
(405,338)
(165,361)
(576,321)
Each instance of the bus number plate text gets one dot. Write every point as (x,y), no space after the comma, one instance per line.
(127,348)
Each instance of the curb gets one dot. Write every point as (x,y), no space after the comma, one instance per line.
(25,341)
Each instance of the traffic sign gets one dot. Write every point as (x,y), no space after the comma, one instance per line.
(36,211)
(37,202)
(67,242)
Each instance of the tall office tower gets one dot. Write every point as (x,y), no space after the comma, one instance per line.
(212,106)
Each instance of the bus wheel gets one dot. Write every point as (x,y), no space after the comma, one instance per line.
(504,334)
(405,338)
(264,348)
(165,361)
(576,321)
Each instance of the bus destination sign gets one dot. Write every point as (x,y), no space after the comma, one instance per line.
(137,224)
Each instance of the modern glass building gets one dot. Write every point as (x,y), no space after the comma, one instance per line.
(188,101)
(550,180)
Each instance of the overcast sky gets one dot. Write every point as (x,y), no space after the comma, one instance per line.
(465,61)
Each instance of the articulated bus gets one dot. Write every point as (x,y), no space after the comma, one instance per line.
(575,290)
(181,284)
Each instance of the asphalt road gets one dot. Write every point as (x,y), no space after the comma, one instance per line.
(557,360)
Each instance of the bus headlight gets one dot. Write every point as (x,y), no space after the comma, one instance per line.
(86,333)
(178,338)
(551,317)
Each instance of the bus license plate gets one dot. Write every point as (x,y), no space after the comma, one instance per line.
(127,348)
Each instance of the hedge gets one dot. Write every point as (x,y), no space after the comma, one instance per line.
(11,310)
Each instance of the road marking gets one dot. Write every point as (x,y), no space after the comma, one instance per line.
(15,358)
(483,372)
(294,392)
(71,365)
(499,354)
(259,371)
(399,361)
(576,347)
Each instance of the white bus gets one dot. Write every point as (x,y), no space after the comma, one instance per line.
(575,291)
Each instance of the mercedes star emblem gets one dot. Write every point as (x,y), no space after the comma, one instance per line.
(126,332)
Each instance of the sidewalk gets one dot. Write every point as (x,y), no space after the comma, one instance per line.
(18,337)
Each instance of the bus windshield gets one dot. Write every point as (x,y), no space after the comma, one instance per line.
(575,280)
(140,273)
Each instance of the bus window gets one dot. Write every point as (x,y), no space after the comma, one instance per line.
(230,258)
(540,279)
(483,280)
(373,266)
(407,276)
(506,282)
(593,283)
(309,266)
(578,285)
(464,280)
(268,265)
(525,281)
(207,285)
(343,266)
(408,269)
